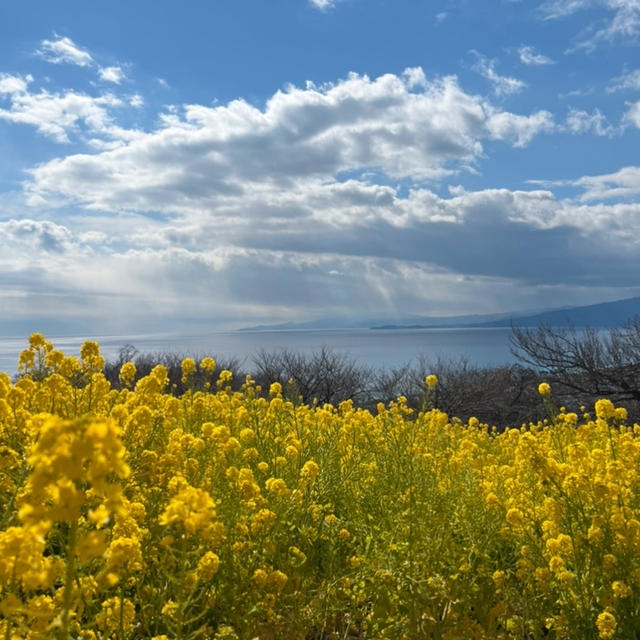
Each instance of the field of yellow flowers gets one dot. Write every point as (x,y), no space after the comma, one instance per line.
(131,513)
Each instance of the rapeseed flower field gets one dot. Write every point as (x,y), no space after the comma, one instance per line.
(132,513)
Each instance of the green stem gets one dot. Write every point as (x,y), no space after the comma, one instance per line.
(68,581)
(121,621)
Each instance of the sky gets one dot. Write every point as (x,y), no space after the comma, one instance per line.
(217,164)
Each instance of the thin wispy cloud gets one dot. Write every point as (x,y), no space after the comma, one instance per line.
(323,5)
(623,25)
(629,81)
(553,9)
(580,121)
(502,85)
(63,50)
(624,183)
(529,56)
(633,114)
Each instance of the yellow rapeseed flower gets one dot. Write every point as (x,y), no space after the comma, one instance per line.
(544,389)
(188,367)
(605,409)
(208,565)
(606,624)
(275,389)
(127,373)
(309,471)
(208,365)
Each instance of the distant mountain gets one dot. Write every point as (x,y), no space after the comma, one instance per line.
(388,322)
(603,315)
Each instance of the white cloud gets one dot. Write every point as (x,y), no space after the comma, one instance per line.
(244,198)
(577,93)
(624,24)
(415,77)
(338,247)
(624,183)
(14,84)
(502,85)
(35,234)
(64,50)
(322,4)
(136,101)
(528,56)
(303,134)
(553,9)
(633,114)
(519,129)
(57,114)
(579,121)
(203,158)
(627,81)
(112,74)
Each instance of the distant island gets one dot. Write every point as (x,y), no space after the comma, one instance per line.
(602,315)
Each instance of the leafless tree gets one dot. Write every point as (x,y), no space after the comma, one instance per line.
(500,396)
(585,363)
(324,375)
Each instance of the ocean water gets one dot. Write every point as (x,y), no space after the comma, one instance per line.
(375,348)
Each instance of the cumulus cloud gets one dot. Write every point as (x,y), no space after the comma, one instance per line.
(41,235)
(14,84)
(502,85)
(528,56)
(54,114)
(63,50)
(203,157)
(329,188)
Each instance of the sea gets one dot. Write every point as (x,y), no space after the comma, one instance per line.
(376,348)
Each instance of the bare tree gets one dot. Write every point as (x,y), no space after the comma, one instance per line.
(497,396)
(585,363)
(324,375)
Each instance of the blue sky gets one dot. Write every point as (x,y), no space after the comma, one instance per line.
(217,164)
